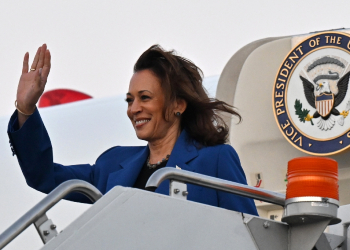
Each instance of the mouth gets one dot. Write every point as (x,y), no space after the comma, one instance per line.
(142,122)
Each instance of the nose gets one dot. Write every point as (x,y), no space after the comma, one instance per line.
(135,107)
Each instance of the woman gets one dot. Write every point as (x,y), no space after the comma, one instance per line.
(167,107)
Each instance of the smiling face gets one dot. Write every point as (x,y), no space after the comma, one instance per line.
(146,101)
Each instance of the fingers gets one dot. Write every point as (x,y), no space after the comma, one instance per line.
(46,68)
(25,63)
(41,57)
(36,59)
(47,61)
(37,75)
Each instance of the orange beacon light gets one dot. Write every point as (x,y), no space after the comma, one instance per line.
(312,191)
(312,176)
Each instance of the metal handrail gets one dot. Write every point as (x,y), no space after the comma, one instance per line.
(45,204)
(211,182)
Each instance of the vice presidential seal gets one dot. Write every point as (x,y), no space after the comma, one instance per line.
(311,96)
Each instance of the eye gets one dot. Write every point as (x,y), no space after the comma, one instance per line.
(128,100)
(145,97)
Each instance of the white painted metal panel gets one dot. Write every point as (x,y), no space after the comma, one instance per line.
(127,218)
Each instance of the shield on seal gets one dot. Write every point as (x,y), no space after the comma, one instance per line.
(324,103)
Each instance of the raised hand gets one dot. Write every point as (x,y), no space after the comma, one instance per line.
(32,82)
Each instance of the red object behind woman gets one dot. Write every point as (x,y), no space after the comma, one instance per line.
(61,96)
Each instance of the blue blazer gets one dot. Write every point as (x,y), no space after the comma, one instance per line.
(121,166)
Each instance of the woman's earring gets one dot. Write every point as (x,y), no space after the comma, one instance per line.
(177,114)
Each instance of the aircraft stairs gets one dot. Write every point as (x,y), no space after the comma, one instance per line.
(128,218)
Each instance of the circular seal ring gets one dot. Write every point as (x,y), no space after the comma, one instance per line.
(311,94)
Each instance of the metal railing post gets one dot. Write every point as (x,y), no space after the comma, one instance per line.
(45,204)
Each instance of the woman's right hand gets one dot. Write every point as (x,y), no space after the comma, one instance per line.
(32,82)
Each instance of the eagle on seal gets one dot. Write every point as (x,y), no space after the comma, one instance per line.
(323,95)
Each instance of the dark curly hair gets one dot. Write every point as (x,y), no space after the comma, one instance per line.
(181,78)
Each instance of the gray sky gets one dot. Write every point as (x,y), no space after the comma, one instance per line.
(95,43)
